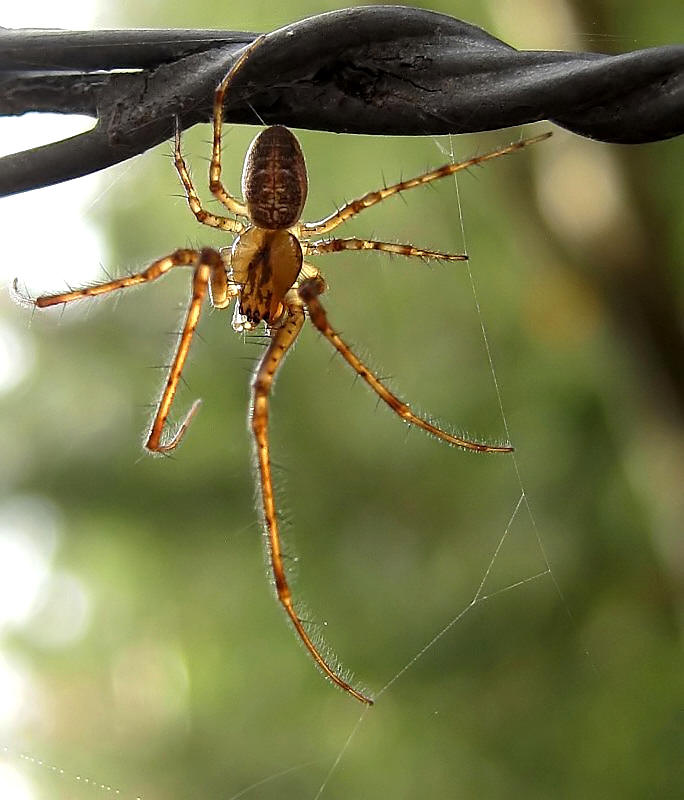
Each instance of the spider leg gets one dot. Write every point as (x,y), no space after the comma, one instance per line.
(210,268)
(338,245)
(215,185)
(308,270)
(179,258)
(309,292)
(372,198)
(202,215)
(282,339)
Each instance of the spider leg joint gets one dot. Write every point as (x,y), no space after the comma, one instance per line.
(311,288)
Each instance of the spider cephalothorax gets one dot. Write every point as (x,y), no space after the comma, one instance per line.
(264,265)
(266,273)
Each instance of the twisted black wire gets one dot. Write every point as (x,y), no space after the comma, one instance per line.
(374,69)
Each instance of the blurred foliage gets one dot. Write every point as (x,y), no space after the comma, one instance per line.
(188,682)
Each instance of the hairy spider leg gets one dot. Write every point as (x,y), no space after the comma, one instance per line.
(179,258)
(209,267)
(338,245)
(215,185)
(202,215)
(282,338)
(309,292)
(350,210)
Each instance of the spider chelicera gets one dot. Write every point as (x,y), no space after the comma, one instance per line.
(265,272)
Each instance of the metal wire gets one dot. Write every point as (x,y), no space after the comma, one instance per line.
(374,69)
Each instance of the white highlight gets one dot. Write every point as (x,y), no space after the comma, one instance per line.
(48,241)
(48,14)
(62,611)
(60,208)
(16,357)
(13,691)
(13,785)
(48,238)
(28,536)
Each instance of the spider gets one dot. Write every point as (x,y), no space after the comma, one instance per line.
(265,273)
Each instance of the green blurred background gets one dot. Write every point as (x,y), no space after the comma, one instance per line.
(182,678)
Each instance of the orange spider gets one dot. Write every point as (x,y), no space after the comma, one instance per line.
(266,274)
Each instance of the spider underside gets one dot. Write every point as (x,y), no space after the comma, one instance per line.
(266,274)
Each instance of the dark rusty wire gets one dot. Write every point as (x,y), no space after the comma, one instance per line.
(375,69)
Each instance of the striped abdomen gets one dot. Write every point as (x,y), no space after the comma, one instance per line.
(274,182)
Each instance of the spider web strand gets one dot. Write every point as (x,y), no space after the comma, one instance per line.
(340,755)
(477,598)
(504,419)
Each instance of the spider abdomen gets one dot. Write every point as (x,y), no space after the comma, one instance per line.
(274,182)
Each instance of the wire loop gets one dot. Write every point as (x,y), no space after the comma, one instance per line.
(387,70)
